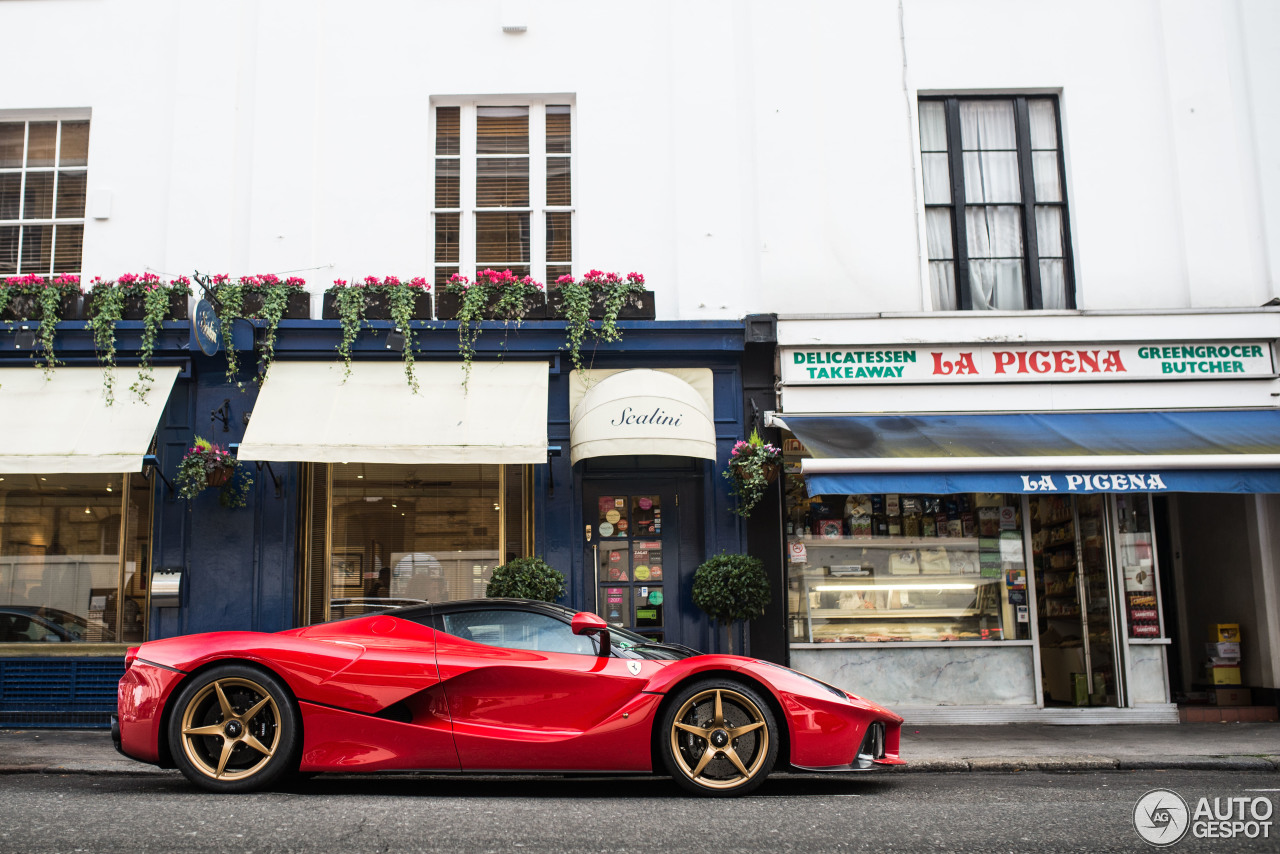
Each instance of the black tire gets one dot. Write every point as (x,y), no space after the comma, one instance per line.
(234,728)
(718,755)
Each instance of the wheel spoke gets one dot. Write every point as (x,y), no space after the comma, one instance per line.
(735,732)
(227,746)
(707,756)
(223,702)
(211,729)
(700,732)
(732,756)
(718,718)
(257,707)
(253,742)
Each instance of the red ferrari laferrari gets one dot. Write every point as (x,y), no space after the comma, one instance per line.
(486,685)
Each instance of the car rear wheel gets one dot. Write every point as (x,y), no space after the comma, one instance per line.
(234,729)
(719,738)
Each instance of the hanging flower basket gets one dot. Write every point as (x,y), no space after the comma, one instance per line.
(753,465)
(208,465)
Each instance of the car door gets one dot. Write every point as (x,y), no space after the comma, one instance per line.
(525,693)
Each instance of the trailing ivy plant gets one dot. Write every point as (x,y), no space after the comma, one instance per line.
(107,303)
(229,298)
(526,578)
(613,292)
(400,300)
(731,587)
(49,296)
(508,295)
(351,302)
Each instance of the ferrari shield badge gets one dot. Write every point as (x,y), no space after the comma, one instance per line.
(634,667)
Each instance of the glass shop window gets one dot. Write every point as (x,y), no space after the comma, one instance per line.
(381,535)
(74,554)
(897,567)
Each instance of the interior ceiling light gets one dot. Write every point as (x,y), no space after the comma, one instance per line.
(88,511)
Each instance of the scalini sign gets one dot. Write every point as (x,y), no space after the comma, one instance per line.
(996,363)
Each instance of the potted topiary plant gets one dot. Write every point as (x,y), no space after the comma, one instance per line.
(731,587)
(492,296)
(375,299)
(33,298)
(207,465)
(606,297)
(526,578)
(753,465)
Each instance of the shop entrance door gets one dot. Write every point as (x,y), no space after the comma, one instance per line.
(636,553)
(1076,599)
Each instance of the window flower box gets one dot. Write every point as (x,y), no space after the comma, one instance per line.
(377,305)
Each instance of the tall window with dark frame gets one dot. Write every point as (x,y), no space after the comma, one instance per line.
(995,208)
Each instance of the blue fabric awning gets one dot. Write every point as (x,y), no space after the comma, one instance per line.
(1186,451)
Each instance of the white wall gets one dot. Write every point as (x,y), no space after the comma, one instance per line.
(746,156)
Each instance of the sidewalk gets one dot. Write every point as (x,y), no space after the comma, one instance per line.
(1005,747)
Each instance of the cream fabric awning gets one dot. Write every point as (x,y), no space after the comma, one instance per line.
(306,413)
(63,425)
(642,411)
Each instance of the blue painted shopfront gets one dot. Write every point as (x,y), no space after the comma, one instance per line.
(241,566)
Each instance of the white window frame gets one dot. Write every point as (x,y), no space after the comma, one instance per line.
(59,116)
(467,157)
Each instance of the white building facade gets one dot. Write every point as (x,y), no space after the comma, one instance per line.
(903,183)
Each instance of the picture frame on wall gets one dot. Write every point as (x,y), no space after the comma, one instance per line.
(345,569)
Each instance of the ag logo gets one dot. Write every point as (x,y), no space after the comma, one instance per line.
(634,667)
(1161,817)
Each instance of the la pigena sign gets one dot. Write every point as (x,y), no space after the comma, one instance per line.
(995,363)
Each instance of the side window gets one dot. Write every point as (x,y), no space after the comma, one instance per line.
(517,630)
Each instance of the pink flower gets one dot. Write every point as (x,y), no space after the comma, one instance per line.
(339,283)
(295,282)
(565,280)
(419,282)
(371,281)
(390,281)
(635,278)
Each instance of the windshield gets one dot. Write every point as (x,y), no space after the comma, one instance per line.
(638,644)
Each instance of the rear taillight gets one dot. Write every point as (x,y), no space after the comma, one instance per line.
(130,656)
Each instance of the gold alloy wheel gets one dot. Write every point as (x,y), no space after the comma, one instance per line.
(708,743)
(231,729)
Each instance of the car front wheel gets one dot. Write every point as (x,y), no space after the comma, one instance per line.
(234,729)
(719,738)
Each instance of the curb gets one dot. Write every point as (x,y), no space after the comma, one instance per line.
(1052,764)
(981,764)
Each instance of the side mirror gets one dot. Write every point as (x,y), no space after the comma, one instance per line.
(586,623)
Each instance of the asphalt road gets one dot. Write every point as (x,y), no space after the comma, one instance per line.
(891,812)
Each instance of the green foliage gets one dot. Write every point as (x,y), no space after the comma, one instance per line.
(510,299)
(349,300)
(526,578)
(753,465)
(613,291)
(48,295)
(106,307)
(206,463)
(229,299)
(352,301)
(731,587)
